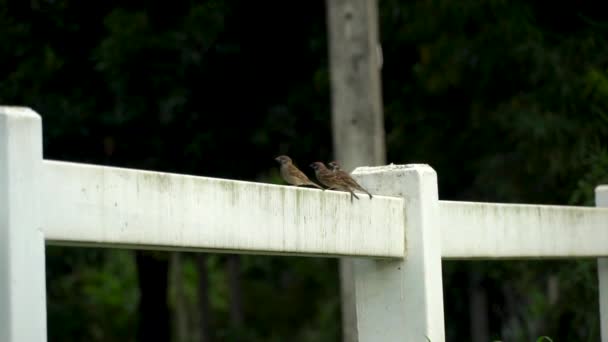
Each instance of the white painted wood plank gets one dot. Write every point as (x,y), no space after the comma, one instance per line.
(471,230)
(114,207)
(601,200)
(22,273)
(602,273)
(402,300)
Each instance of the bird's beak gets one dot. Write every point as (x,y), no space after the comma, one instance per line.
(277,159)
(312,165)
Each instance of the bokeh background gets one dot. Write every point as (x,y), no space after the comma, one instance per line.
(507,100)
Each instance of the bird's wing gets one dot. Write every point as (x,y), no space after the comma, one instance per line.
(351,181)
(296,173)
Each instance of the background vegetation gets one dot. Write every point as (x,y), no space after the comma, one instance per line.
(507,100)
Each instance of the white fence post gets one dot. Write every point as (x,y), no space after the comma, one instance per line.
(22,274)
(403,300)
(601,200)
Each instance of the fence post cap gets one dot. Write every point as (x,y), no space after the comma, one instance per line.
(601,188)
(374,170)
(15,111)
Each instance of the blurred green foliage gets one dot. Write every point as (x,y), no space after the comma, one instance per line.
(507,100)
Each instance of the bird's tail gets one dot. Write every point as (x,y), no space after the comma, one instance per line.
(360,188)
(316,185)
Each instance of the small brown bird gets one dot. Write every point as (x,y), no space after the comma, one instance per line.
(331,179)
(292,175)
(335,167)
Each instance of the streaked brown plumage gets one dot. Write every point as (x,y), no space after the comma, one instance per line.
(292,175)
(331,180)
(335,167)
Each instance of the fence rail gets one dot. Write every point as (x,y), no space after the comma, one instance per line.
(117,207)
(471,230)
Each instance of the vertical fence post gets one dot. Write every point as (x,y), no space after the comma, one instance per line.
(402,300)
(22,273)
(601,200)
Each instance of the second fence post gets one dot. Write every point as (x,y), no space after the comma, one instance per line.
(402,300)
(601,200)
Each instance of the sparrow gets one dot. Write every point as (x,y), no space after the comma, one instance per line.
(292,175)
(331,180)
(335,167)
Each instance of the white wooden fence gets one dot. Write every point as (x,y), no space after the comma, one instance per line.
(398,239)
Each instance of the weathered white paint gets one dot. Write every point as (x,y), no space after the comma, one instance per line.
(471,230)
(22,274)
(108,206)
(601,200)
(402,300)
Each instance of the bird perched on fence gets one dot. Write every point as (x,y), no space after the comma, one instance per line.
(331,179)
(292,175)
(335,167)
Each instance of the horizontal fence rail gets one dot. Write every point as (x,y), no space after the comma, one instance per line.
(471,230)
(90,205)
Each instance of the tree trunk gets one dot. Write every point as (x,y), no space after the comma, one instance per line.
(234,283)
(357,119)
(152,270)
(478,308)
(355,63)
(203,297)
(180,310)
